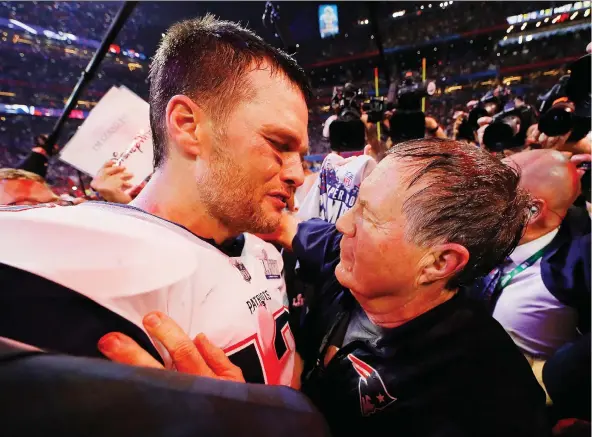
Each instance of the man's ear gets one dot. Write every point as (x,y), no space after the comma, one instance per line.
(443,262)
(538,211)
(185,125)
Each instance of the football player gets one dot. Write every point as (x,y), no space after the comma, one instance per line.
(229,118)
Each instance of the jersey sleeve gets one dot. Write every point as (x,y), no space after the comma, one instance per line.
(316,245)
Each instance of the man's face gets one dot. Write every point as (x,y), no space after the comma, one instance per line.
(24,192)
(256,163)
(376,259)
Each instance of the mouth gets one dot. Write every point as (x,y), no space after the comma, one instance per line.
(279,198)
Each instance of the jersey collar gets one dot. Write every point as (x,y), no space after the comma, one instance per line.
(233,247)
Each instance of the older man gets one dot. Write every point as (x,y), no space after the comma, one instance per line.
(392,343)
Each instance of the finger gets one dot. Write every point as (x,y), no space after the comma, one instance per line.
(483,121)
(122,349)
(126,176)
(126,186)
(216,359)
(183,352)
(116,169)
(109,163)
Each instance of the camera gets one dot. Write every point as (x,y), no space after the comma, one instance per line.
(490,104)
(375,108)
(408,121)
(347,132)
(411,90)
(508,128)
(566,106)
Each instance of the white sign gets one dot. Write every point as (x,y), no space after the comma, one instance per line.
(117,128)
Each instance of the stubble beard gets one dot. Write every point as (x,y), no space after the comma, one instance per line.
(229,192)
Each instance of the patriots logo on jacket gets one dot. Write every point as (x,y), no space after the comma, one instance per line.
(373,394)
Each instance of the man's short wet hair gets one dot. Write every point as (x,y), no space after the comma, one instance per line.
(466,196)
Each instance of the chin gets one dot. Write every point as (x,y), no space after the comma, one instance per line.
(265,223)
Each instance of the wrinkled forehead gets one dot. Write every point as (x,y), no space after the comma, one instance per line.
(387,187)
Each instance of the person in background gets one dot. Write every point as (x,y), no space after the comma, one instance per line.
(541,294)
(21,187)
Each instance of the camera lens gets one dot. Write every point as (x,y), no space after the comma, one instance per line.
(497,136)
(556,121)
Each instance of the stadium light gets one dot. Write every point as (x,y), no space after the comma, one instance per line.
(574,15)
(556,19)
(546,20)
(430,5)
(587,12)
(421,7)
(23,26)
(523,26)
(538,24)
(510,29)
(529,38)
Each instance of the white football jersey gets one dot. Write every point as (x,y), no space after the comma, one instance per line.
(132,262)
(336,189)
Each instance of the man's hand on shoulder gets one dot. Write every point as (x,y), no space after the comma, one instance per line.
(197,357)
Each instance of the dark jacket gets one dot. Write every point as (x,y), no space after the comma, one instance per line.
(452,371)
(565,267)
(56,395)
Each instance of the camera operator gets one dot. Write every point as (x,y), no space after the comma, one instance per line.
(505,132)
(408,121)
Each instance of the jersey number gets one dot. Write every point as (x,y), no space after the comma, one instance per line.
(257,364)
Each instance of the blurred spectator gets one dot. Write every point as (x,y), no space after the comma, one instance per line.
(21,187)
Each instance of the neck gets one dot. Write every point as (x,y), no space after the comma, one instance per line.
(532,233)
(172,197)
(393,311)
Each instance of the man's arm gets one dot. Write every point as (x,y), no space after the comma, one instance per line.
(314,242)
(46,394)
(316,245)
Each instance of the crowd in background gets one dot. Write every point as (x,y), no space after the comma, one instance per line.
(467,56)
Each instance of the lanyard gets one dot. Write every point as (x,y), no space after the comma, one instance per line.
(505,280)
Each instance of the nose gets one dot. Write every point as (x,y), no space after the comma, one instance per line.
(292,172)
(345,224)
